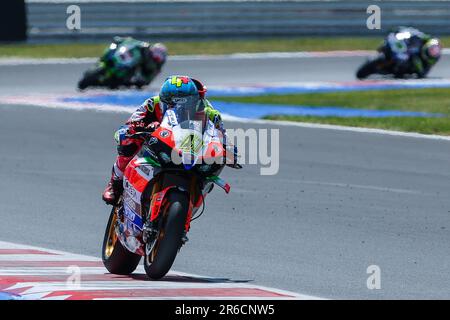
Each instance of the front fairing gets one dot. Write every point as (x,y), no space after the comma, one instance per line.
(398,45)
(193,137)
(122,56)
(188,141)
(193,145)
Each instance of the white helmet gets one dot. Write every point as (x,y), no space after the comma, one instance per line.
(159,52)
(432,49)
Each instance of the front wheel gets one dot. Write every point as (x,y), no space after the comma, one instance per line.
(116,258)
(91,78)
(369,68)
(160,257)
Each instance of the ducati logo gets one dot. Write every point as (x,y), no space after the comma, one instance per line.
(164,134)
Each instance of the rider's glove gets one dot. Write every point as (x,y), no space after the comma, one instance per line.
(152,126)
(215,117)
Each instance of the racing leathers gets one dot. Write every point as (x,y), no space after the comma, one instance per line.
(147,118)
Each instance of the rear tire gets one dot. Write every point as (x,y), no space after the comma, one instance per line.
(169,242)
(116,258)
(369,68)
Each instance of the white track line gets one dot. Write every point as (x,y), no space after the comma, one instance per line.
(37,102)
(341,128)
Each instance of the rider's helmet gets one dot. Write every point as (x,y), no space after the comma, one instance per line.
(158,53)
(431,50)
(184,92)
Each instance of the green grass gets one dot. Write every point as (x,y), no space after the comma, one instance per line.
(76,50)
(427,100)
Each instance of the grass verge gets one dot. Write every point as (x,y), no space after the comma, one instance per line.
(426,100)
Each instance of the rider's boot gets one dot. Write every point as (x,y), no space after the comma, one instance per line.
(113,190)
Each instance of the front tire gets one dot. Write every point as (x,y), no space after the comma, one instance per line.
(159,261)
(116,258)
(369,68)
(91,78)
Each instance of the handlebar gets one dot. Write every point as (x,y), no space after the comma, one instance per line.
(140,134)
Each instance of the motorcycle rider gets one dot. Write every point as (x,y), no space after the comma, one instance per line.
(147,118)
(414,51)
(144,61)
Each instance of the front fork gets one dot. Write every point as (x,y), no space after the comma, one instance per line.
(159,203)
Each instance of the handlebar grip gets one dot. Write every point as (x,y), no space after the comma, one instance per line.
(141,134)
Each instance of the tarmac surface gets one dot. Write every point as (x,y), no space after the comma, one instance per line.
(341,201)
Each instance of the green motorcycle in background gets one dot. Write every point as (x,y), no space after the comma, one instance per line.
(125,63)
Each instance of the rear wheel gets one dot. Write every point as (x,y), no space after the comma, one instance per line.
(160,256)
(116,258)
(369,68)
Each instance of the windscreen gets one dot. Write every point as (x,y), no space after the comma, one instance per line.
(187,128)
(185,108)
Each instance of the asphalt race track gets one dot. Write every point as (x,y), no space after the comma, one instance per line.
(342,201)
(57,78)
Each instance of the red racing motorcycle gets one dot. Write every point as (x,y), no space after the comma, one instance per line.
(164,187)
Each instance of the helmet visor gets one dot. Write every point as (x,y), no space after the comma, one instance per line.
(185,108)
(434,51)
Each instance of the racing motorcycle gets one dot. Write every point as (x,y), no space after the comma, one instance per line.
(393,57)
(116,68)
(164,187)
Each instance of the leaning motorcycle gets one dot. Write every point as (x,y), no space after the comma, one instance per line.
(115,69)
(164,187)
